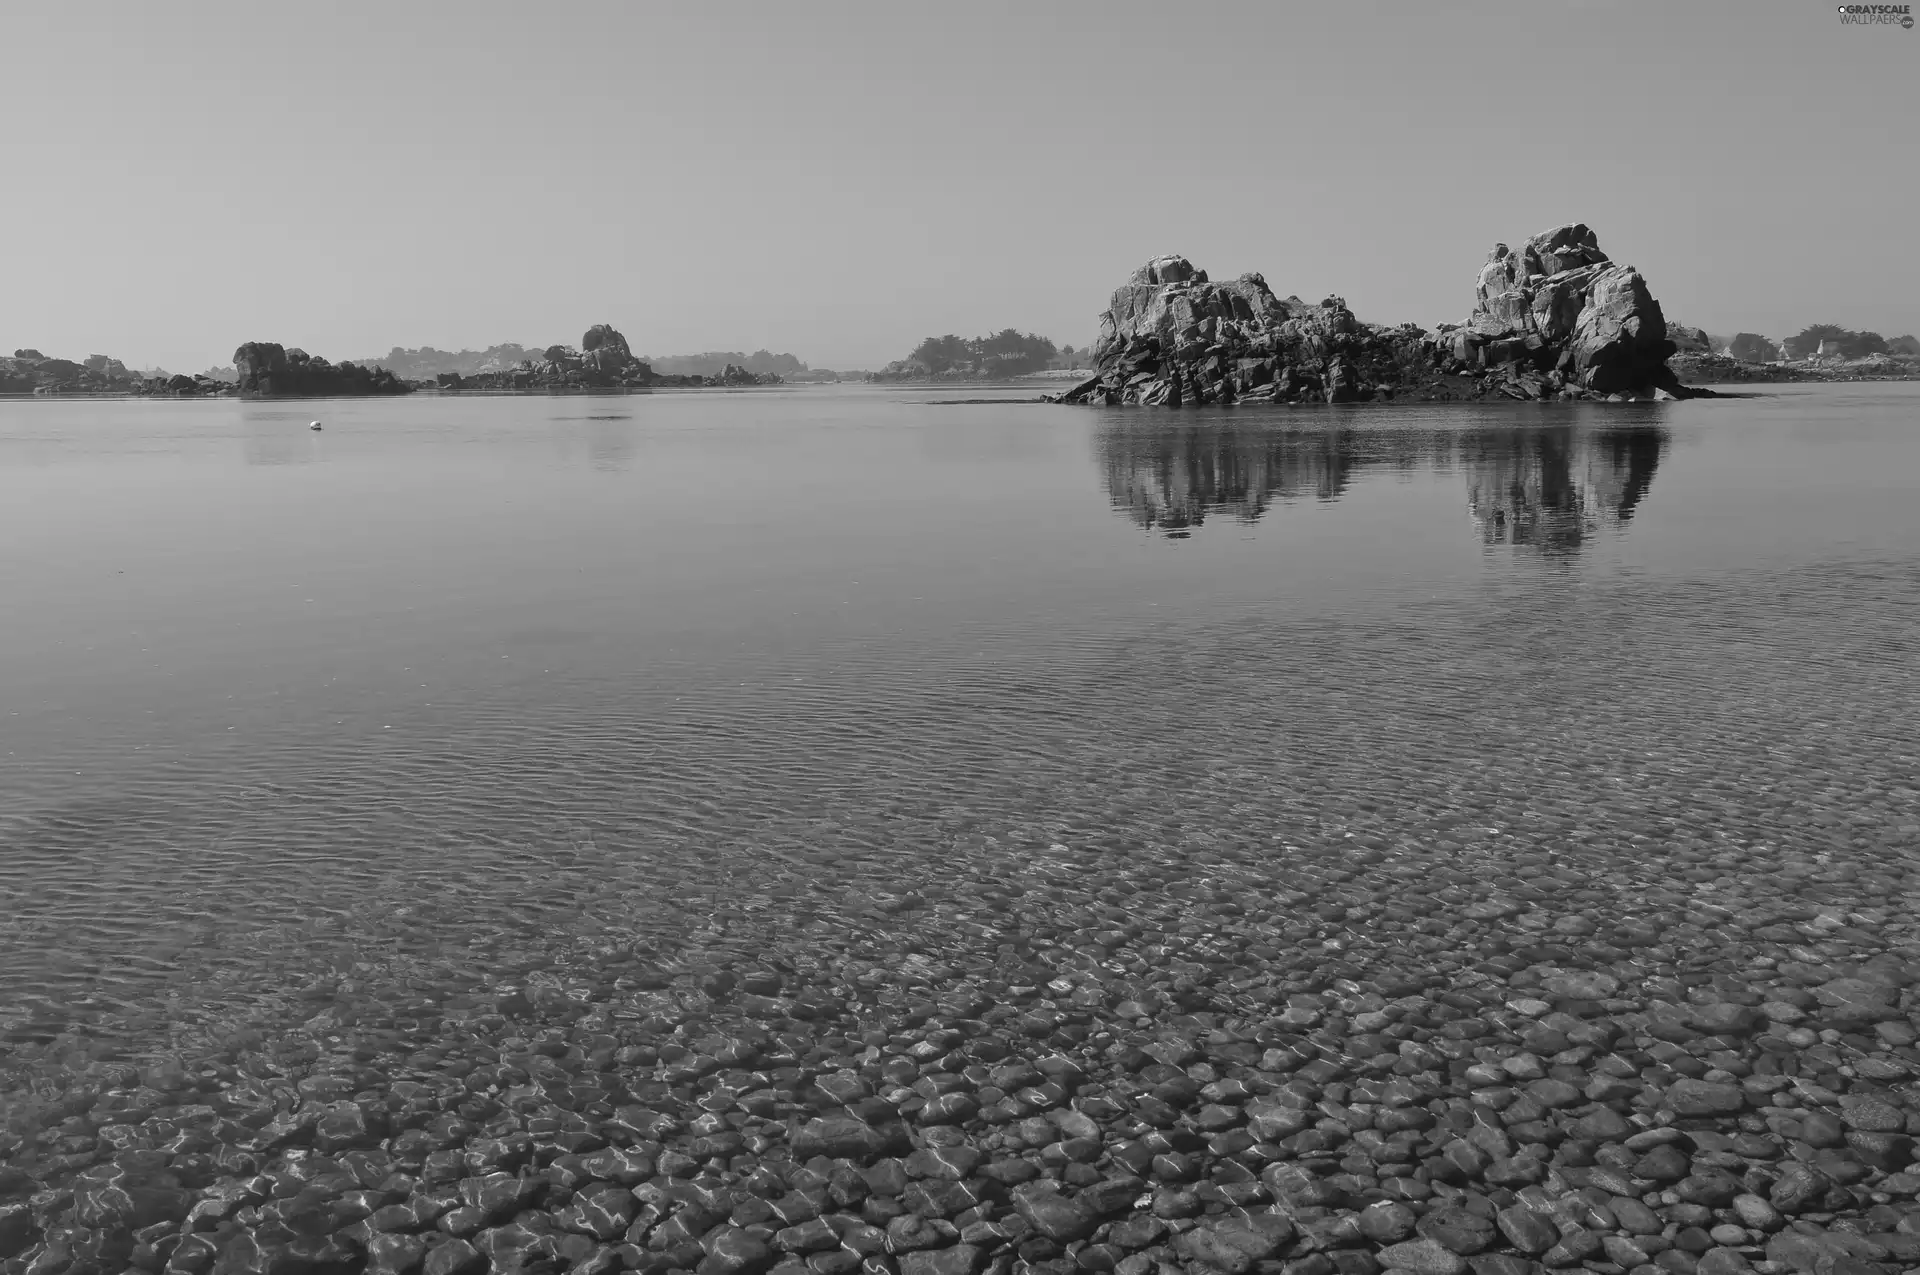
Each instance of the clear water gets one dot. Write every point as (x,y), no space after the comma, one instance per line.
(460,692)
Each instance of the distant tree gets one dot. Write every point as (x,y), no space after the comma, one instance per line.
(1007,352)
(1851,344)
(1908,345)
(1806,343)
(939,353)
(1751,347)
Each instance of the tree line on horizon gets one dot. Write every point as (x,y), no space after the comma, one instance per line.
(1751,347)
(1850,344)
(1008,352)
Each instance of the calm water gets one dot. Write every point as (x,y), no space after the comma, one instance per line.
(459,686)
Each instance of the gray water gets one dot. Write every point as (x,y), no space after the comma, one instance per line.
(463,689)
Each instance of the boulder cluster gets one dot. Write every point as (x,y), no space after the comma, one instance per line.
(1557,319)
(269,370)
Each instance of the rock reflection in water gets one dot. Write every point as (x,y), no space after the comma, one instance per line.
(1549,487)
(608,440)
(279,441)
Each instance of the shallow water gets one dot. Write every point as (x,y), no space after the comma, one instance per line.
(458,691)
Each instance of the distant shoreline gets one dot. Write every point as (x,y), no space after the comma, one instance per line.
(928,383)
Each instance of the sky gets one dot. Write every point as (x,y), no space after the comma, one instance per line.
(839,180)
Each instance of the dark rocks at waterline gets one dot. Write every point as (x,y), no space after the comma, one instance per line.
(1494,1061)
(197,386)
(604,361)
(735,375)
(31,372)
(1711,369)
(1556,320)
(1721,369)
(268,370)
(601,367)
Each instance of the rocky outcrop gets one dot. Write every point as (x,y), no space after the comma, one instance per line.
(1721,369)
(270,370)
(31,372)
(1688,340)
(1556,319)
(1561,297)
(733,374)
(603,361)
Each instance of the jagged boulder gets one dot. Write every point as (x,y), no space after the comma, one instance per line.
(1595,321)
(603,336)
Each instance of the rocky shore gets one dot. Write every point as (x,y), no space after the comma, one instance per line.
(1688,1058)
(1557,319)
(1720,369)
(31,372)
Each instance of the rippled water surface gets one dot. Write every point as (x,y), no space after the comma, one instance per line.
(458,690)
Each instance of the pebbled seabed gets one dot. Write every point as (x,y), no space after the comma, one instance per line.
(1511,961)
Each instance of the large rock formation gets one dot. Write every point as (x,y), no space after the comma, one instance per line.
(1561,296)
(31,372)
(269,370)
(1556,319)
(603,361)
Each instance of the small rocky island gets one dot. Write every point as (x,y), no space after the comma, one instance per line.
(604,361)
(268,370)
(1557,319)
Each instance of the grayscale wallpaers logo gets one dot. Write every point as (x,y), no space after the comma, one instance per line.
(1877,15)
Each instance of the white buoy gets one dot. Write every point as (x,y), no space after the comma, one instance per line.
(315,425)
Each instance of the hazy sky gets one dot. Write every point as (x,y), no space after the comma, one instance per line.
(839,180)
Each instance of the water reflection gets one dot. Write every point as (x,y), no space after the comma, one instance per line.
(610,440)
(1552,489)
(1549,487)
(280,442)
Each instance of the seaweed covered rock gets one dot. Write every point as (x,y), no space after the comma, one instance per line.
(269,370)
(1557,319)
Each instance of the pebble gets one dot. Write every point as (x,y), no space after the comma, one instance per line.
(1423,1257)
(1381,1059)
